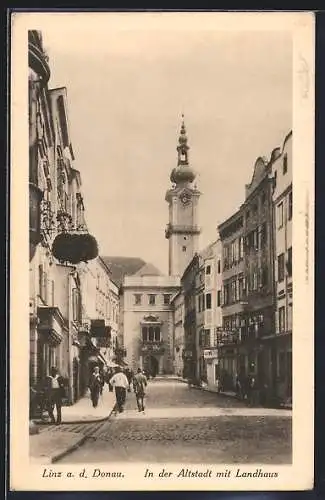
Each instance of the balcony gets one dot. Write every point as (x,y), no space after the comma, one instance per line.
(227,337)
(37,58)
(181,229)
(51,324)
(152,346)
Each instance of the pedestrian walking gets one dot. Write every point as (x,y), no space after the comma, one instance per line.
(120,382)
(109,375)
(129,376)
(139,385)
(95,386)
(55,393)
(253,390)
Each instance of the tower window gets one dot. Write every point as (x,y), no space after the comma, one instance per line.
(184,249)
(208,270)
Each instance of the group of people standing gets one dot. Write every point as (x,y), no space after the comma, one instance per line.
(121,381)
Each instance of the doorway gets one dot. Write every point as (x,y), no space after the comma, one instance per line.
(151,364)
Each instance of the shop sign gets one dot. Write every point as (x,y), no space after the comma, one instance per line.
(210,353)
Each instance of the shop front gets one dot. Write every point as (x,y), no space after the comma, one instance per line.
(212,367)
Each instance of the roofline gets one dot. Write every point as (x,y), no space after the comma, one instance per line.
(232,218)
(104,265)
(287,137)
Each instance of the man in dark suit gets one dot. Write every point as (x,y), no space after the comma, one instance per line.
(56,389)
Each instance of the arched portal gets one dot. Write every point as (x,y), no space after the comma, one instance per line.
(151,365)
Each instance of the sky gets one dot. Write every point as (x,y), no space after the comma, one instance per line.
(127,88)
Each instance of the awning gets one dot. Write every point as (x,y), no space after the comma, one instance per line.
(111,364)
(93,359)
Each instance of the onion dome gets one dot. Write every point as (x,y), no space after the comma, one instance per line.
(183,172)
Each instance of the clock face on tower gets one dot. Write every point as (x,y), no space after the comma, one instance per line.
(185,198)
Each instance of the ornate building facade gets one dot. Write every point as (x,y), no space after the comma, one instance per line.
(60,246)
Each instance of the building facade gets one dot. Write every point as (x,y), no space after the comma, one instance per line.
(212,314)
(282,229)
(58,235)
(148,328)
(233,297)
(178,323)
(191,353)
(258,319)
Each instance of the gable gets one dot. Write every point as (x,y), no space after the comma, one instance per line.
(260,171)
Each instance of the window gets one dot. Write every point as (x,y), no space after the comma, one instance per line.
(76,305)
(285,164)
(241,286)
(219,298)
(208,270)
(290,206)
(152,300)
(166,299)
(42,283)
(137,299)
(275,179)
(247,215)
(184,249)
(280,215)
(281,267)
(233,291)
(289,262)
(290,316)
(207,338)
(144,334)
(254,280)
(208,300)
(226,294)
(151,333)
(263,235)
(219,266)
(241,248)
(226,257)
(254,208)
(281,319)
(157,334)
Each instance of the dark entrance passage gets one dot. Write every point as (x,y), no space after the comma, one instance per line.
(151,364)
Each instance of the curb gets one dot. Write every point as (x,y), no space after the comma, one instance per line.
(74,422)
(82,440)
(233,396)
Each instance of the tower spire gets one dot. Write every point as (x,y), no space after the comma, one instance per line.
(182,148)
(183,172)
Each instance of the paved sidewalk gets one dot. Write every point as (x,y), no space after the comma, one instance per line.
(52,443)
(49,446)
(83,411)
(169,413)
(231,394)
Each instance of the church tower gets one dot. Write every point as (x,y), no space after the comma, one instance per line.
(182,230)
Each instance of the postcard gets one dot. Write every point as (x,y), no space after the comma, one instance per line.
(162,237)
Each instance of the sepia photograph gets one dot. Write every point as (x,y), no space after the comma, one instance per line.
(160,215)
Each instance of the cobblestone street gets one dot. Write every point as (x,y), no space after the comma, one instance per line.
(186,425)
